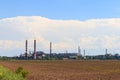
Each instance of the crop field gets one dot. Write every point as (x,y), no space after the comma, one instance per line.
(67,70)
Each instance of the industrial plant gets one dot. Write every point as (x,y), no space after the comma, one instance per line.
(41,55)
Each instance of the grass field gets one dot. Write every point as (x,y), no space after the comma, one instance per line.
(68,70)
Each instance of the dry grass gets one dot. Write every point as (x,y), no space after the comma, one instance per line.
(68,70)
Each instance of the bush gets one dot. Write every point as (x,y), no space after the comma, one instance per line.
(6,74)
(21,71)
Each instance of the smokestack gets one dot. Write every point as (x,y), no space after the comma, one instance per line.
(66,51)
(79,50)
(35,49)
(26,46)
(50,48)
(84,54)
(106,51)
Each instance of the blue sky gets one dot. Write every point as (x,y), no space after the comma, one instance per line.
(92,24)
(61,9)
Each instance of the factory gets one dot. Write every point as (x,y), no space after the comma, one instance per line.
(39,55)
(31,55)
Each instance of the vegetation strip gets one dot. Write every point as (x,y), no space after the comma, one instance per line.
(6,74)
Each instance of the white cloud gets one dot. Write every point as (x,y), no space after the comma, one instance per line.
(65,34)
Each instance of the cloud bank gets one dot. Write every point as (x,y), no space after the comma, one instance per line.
(91,34)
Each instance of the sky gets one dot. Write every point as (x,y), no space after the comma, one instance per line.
(61,9)
(91,24)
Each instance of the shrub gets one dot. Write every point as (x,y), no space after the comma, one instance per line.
(6,74)
(21,71)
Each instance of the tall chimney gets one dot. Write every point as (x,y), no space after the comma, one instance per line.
(26,46)
(79,50)
(84,54)
(35,49)
(106,51)
(50,48)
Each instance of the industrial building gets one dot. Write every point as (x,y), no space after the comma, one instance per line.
(40,55)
